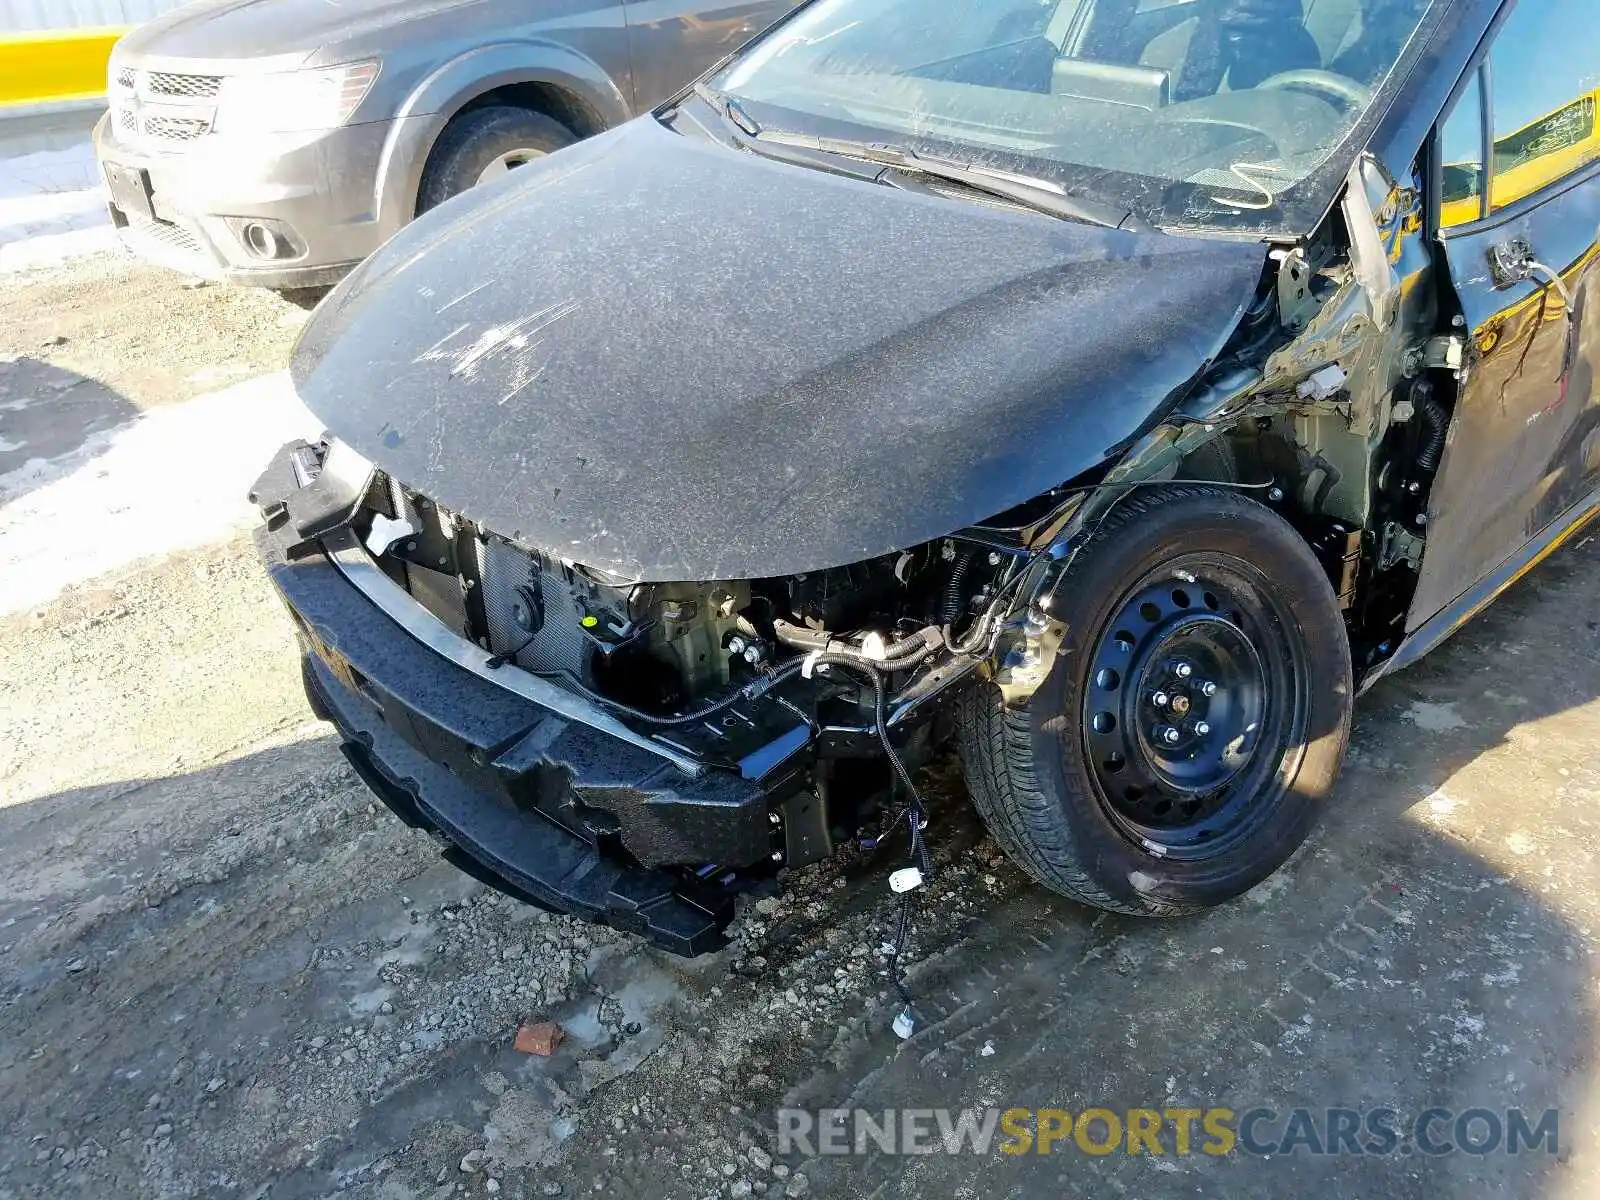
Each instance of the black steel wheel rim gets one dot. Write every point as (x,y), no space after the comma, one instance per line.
(1195,707)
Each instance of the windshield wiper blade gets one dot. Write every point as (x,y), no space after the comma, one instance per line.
(729,110)
(1038,194)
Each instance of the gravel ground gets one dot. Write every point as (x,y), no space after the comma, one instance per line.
(225,972)
(140,333)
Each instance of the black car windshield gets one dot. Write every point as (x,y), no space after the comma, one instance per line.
(1189,113)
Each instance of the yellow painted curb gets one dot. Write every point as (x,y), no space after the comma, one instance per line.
(47,68)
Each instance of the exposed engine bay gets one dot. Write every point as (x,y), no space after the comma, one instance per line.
(655,651)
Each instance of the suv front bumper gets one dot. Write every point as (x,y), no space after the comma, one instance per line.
(543,807)
(321,192)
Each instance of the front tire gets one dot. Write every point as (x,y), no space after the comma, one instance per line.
(1193,723)
(483,143)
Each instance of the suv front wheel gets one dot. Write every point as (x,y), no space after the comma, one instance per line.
(483,144)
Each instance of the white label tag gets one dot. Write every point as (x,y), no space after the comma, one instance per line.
(904,1024)
(905,879)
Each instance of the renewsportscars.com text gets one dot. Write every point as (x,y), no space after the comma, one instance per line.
(1214,1131)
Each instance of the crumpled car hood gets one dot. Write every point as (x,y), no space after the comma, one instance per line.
(672,360)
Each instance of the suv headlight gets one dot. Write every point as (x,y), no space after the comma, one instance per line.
(293,101)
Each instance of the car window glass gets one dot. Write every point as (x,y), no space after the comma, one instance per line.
(1546,74)
(1191,114)
(1461,156)
(943,33)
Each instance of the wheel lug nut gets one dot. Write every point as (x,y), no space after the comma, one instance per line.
(1201,728)
(1208,688)
(1160,699)
(1184,670)
(1169,735)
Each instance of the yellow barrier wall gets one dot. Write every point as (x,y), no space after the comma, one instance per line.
(46,68)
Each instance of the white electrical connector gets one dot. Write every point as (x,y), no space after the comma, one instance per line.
(1319,385)
(905,879)
(385,532)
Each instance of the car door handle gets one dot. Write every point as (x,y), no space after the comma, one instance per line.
(1513,261)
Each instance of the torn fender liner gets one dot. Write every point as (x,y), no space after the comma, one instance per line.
(671,360)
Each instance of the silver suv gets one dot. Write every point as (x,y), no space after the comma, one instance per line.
(279,142)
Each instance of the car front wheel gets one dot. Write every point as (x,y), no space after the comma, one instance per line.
(1194,719)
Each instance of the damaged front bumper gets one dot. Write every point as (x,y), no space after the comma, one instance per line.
(529,799)
(538,791)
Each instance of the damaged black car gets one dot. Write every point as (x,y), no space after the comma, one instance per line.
(1113,390)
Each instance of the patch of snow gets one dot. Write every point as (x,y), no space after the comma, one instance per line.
(52,207)
(1434,718)
(369,1003)
(174,478)
(1510,976)
(1466,1027)
(1520,843)
(1269,889)
(47,249)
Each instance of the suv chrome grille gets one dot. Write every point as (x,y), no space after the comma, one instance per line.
(175,129)
(197,87)
(163,108)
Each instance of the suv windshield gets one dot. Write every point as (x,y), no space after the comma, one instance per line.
(1193,113)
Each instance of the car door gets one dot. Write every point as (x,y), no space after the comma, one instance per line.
(673,41)
(1524,257)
